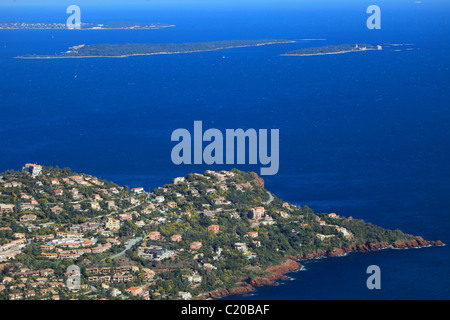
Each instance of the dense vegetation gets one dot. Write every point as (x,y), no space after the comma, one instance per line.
(129,49)
(330,49)
(189,207)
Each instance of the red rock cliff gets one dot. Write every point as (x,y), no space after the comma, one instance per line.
(276,273)
(403,244)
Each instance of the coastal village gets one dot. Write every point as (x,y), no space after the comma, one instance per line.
(186,240)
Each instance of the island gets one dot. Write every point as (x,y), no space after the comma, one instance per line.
(141,49)
(200,236)
(13,25)
(333,49)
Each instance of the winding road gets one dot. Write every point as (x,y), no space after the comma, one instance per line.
(271,198)
(128,245)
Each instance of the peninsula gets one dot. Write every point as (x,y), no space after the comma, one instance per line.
(200,236)
(12,25)
(141,49)
(334,49)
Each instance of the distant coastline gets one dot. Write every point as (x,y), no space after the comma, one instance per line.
(334,49)
(16,25)
(146,49)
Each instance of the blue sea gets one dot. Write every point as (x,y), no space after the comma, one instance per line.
(361,134)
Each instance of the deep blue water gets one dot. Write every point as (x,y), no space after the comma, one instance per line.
(364,135)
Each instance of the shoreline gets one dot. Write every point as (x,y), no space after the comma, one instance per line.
(91,29)
(276,273)
(417,242)
(292,264)
(151,54)
(322,53)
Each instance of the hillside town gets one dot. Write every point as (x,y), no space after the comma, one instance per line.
(200,233)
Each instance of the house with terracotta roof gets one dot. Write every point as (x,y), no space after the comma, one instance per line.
(44,237)
(135,291)
(155,235)
(140,223)
(196,245)
(99,249)
(114,190)
(286,205)
(30,293)
(333,215)
(160,219)
(253,234)
(138,190)
(49,255)
(33,169)
(96,197)
(126,216)
(214,228)
(16,296)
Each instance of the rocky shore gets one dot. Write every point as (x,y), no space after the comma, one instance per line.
(417,242)
(291,264)
(276,273)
